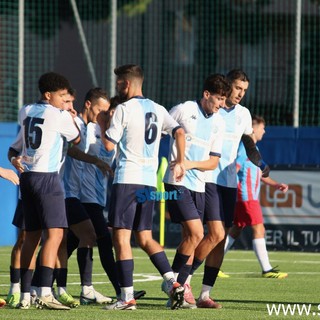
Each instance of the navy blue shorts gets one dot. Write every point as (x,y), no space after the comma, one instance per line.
(188,206)
(95,212)
(18,218)
(130,207)
(76,212)
(42,201)
(220,204)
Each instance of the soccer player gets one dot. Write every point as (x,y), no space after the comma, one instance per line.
(204,129)
(43,126)
(83,222)
(248,210)
(221,186)
(136,130)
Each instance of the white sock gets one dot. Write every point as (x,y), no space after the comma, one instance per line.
(169,279)
(88,289)
(205,292)
(14,288)
(127,293)
(45,291)
(188,279)
(34,291)
(260,249)
(61,290)
(228,244)
(25,296)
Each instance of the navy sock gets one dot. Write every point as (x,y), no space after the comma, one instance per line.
(195,265)
(26,276)
(184,273)
(179,261)
(210,275)
(125,272)
(14,275)
(160,261)
(60,274)
(85,262)
(46,276)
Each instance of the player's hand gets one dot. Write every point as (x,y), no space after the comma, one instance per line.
(9,175)
(73,112)
(104,168)
(283,187)
(102,120)
(16,162)
(179,171)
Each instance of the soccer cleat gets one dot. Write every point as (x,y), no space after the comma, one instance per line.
(138,294)
(208,303)
(221,274)
(176,296)
(93,296)
(274,273)
(24,305)
(50,302)
(122,305)
(185,305)
(2,303)
(188,296)
(68,300)
(13,300)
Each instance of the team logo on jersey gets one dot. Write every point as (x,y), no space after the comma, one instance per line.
(194,117)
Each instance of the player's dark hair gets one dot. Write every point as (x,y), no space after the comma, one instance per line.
(129,71)
(114,101)
(256,119)
(237,74)
(217,84)
(94,94)
(52,82)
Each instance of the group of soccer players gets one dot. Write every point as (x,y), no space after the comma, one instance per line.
(205,136)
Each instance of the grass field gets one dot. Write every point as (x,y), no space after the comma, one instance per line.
(245,295)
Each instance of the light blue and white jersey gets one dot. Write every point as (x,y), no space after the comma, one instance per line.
(74,168)
(238,121)
(136,127)
(43,127)
(94,183)
(203,139)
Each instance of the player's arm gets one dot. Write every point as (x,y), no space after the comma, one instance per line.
(273,183)
(254,155)
(179,167)
(78,154)
(204,165)
(9,175)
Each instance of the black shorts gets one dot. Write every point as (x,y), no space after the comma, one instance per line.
(188,206)
(220,204)
(76,212)
(18,218)
(95,212)
(127,211)
(42,201)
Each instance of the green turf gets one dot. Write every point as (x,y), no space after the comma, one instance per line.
(244,295)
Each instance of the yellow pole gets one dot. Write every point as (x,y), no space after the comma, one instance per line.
(162,206)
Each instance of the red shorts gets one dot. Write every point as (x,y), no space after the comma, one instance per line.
(248,213)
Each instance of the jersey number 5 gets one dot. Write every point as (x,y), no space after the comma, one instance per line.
(32,132)
(151,128)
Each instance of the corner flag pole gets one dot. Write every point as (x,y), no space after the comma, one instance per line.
(160,187)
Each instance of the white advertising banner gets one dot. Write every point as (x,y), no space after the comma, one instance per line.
(299,206)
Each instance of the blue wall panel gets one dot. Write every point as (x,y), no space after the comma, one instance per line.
(8,192)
